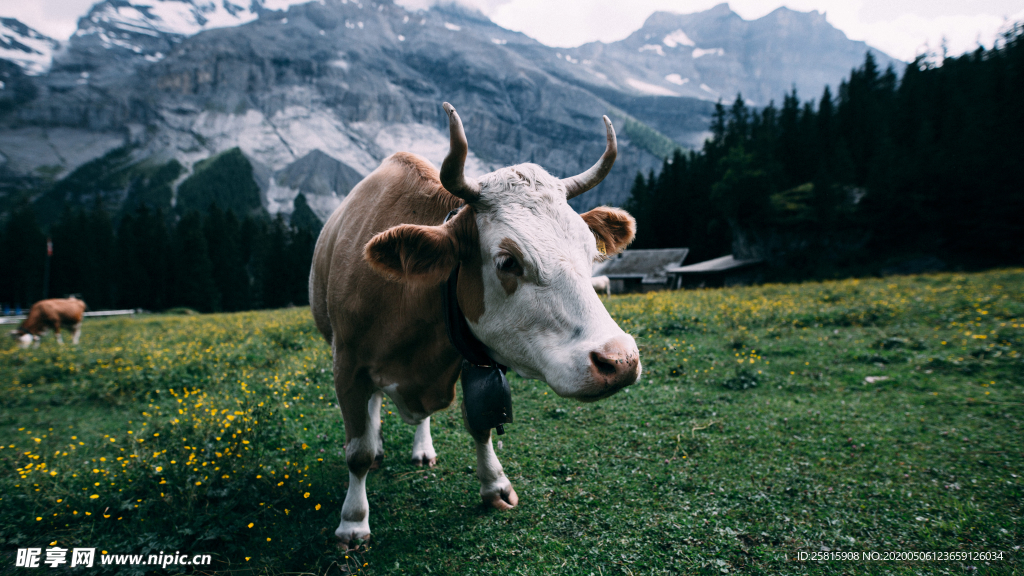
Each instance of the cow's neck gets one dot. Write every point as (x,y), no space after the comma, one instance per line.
(485,391)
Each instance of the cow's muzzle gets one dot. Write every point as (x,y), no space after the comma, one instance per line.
(613,366)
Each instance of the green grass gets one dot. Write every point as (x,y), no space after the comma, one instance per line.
(753,436)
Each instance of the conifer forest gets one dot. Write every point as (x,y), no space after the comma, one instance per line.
(885,171)
(205,261)
(888,173)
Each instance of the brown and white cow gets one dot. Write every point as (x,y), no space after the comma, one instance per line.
(51,314)
(524,287)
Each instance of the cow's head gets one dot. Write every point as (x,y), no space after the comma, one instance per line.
(24,338)
(524,280)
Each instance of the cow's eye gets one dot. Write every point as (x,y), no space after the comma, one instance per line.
(507,264)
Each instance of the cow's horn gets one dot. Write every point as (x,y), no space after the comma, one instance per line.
(580,183)
(452,169)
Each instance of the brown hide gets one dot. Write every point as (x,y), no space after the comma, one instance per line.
(52,314)
(613,228)
(385,332)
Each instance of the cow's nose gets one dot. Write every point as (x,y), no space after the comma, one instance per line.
(616,363)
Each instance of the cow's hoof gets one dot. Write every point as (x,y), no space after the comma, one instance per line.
(352,534)
(501,496)
(429,460)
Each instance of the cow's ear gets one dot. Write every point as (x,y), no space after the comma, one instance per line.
(613,228)
(414,254)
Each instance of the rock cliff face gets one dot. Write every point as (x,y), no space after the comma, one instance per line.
(316,96)
(716,54)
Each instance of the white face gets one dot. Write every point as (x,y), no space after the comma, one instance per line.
(25,340)
(541,316)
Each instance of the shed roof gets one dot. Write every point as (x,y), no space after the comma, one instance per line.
(715,265)
(647,265)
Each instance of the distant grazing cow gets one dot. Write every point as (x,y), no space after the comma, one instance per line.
(521,260)
(52,314)
(601,285)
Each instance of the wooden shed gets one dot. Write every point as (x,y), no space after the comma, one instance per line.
(724,271)
(641,270)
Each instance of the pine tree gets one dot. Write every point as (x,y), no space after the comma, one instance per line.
(23,250)
(303,216)
(640,206)
(737,130)
(300,258)
(145,274)
(193,270)
(83,247)
(669,216)
(272,264)
(223,238)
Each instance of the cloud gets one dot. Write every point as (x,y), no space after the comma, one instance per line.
(910,34)
(55,18)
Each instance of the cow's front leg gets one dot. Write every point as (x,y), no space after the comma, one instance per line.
(362,431)
(78,332)
(422,445)
(495,489)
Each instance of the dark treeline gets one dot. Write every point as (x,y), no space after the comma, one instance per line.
(212,261)
(888,170)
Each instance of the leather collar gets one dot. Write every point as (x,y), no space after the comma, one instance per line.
(471,348)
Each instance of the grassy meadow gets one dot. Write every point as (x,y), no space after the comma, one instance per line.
(880,415)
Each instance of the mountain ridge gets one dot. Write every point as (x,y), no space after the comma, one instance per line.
(356,81)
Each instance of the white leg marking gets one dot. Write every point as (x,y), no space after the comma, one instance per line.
(355,513)
(60,340)
(78,332)
(495,489)
(423,446)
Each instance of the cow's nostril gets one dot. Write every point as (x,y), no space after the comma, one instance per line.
(605,366)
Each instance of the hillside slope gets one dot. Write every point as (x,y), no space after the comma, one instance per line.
(355,82)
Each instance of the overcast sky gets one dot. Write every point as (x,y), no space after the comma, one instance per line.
(902,28)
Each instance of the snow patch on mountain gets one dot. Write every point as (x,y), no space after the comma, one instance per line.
(26,47)
(678,38)
(648,88)
(180,17)
(699,52)
(656,48)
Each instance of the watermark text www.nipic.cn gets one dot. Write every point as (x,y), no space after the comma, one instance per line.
(86,557)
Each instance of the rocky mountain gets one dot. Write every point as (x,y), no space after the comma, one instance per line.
(26,47)
(131,32)
(717,54)
(315,96)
